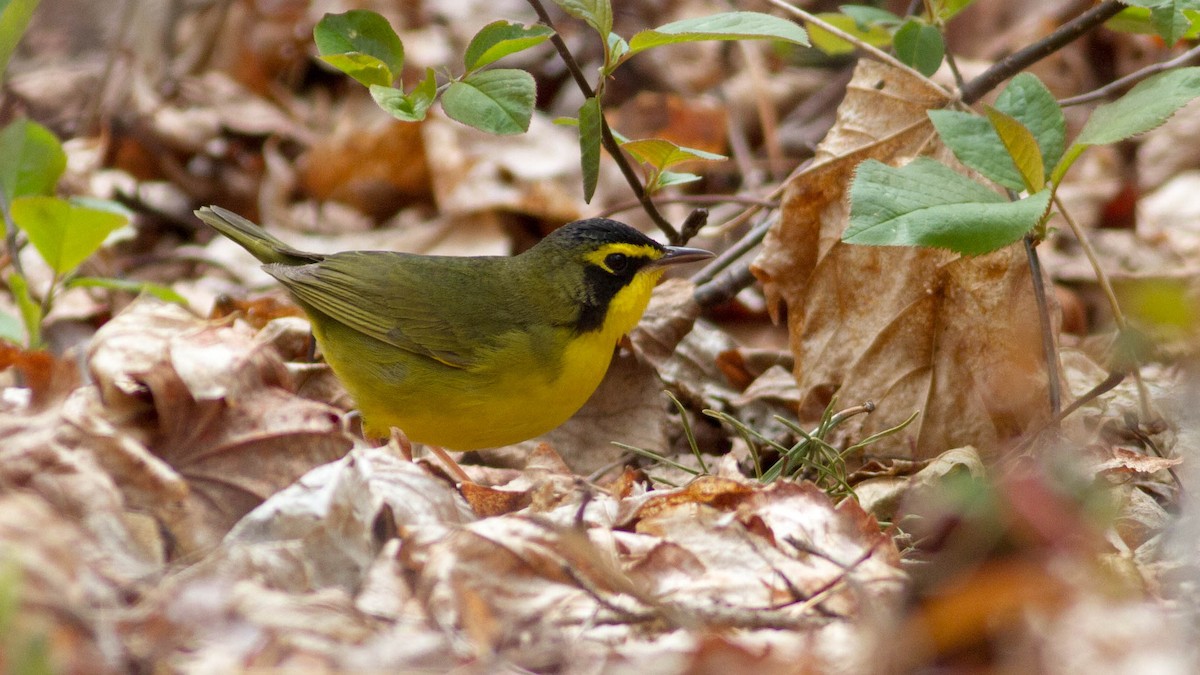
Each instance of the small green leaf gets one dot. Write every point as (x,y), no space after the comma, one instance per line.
(926,203)
(866,16)
(974,141)
(11,329)
(595,13)
(165,293)
(1028,101)
(31,160)
(1022,147)
(1139,20)
(501,38)
(618,51)
(727,26)
(589,145)
(662,154)
(65,234)
(411,107)
(1145,107)
(31,311)
(945,10)
(14,19)
(361,44)
(875,35)
(920,46)
(496,101)
(666,178)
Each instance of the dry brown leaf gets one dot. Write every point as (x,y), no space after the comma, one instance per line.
(911,329)
(211,402)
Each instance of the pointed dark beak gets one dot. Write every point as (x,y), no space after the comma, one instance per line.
(681,254)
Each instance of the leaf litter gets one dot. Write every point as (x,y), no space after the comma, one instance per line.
(195,501)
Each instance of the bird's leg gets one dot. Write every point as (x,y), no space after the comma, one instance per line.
(401,443)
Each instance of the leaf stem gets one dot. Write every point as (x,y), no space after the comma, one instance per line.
(606,135)
(1049,348)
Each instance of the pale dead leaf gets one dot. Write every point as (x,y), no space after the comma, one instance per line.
(211,402)
(910,329)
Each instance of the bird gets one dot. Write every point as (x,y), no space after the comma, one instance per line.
(467,353)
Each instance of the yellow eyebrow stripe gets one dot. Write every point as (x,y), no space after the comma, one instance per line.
(597,256)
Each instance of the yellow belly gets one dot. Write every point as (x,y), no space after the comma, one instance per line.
(511,399)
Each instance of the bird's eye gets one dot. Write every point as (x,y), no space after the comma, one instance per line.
(616,262)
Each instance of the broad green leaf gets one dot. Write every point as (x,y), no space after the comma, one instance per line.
(496,101)
(11,329)
(31,311)
(920,46)
(1022,147)
(595,13)
(727,26)
(1028,101)
(1145,107)
(875,35)
(407,107)
(164,293)
(974,141)
(14,19)
(31,160)
(866,16)
(662,154)
(926,203)
(361,44)
(589,145)
(65,234)
(501,38)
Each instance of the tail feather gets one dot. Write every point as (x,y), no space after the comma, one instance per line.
(253,238)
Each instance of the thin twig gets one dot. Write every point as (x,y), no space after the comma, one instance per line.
(731,255)
(1023,58)
(1133,78)
(606,135)
(1049,348)
(874,51)
(1113,379)
(1109,294)
(694,199)
(10,235)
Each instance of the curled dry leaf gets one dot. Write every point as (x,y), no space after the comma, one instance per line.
(908,328)
(211,402)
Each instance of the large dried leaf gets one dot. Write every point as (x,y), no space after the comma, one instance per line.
(213,403)
(911,329)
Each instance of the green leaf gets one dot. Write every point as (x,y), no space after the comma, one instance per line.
(944,10)
(411,107)
(974,141)
(727,26)
(589,145)
(866,16)
(926,203)
(165,293)
(65,234)
(1145,107)
(1021,146)
(496,101)
(31,160)
(11,329)
(618,51)
(501,38)
(595,13)
(1028,101)
(666,178)
(662,154)
(14,19)
(1139,20)
(920,46)
(361,44)
(875,35)
(31,311)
